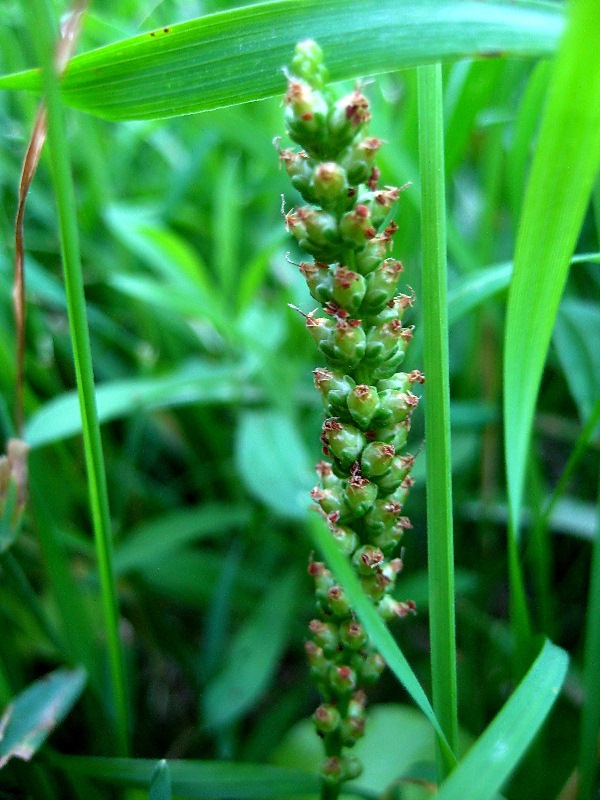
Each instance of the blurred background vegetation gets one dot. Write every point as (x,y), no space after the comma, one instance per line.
(211,424)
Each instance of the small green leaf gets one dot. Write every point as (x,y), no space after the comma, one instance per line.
(152,540)
(274,463)
(253,656)
(195,382)
(160,785)
(179,69)
(35,712)
(481,774)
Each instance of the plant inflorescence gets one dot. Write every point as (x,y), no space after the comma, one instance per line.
(347,227)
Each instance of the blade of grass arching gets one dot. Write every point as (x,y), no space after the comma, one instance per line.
(236,56)
(440,543)
(197,779)
(564,166)
(483,771)
(590,717)
(41,23)
(377,630)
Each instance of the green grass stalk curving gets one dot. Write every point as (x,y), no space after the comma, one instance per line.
(41,22)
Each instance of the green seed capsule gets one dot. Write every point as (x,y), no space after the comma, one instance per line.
(305,114)
(367,558)
(346,538)
(399,469)
(337,602)
(346,346)
(352,634)
(371,668)
(352,729)
(348,289)
(395,435)
(308,63)
(360,495)
(342,680)
(371,255)
(381,516)
(325,635)
(318,279)
(356,227)
(384,341)
(381,285)
(398,405)
(346,119)
(343,441)
(363,403)
(376,459)
(334,388)
(359,160)
(329,184)
(327,718)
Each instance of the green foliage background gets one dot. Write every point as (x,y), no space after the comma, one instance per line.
(210,423)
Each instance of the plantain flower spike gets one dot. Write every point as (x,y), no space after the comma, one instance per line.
(346,225)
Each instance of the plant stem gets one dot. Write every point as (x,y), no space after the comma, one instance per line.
(590,718)
(437,406)
(41,22)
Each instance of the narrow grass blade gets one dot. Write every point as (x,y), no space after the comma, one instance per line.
(376,628)
(181,69)
(565,164)
(198,779)
(42,23)
(590,719)
(483,771)
(440,543)
(160,785)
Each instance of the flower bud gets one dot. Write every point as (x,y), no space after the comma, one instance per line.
(394,309)
(352,634)
(319,665)
(360,495)
(342,679)
(362,402)
(318,279)
(390,609)
(376,584)
(402,381)
(300,171)
(352,729)
(327,718)
(325,635)
(337,602)
(329,184)
(381,285)
(323,579)
(371,255)
(347,117)
(348,289)
(356,227)
(400,467)
(346,345)
(305,114)
(334,388)
(371,668)
(331,500)
(381,516)
(359,159)
(385,340)
(376,459)
(346,538)
(343,441)
(395,435)
(398,405)
(308,63)
(333,770)
(367,558)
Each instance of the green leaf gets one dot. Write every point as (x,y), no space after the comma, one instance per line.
(576,338)
(198,779)
(180,69)
(380,636)
(35,712)
(273,462)
(482,772)
(565,164)
(152,540)
(475,288)
(195,382)
(160,785)
(253,656)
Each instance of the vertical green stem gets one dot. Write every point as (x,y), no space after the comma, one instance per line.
(437,405)
(41,22)
(590,721)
